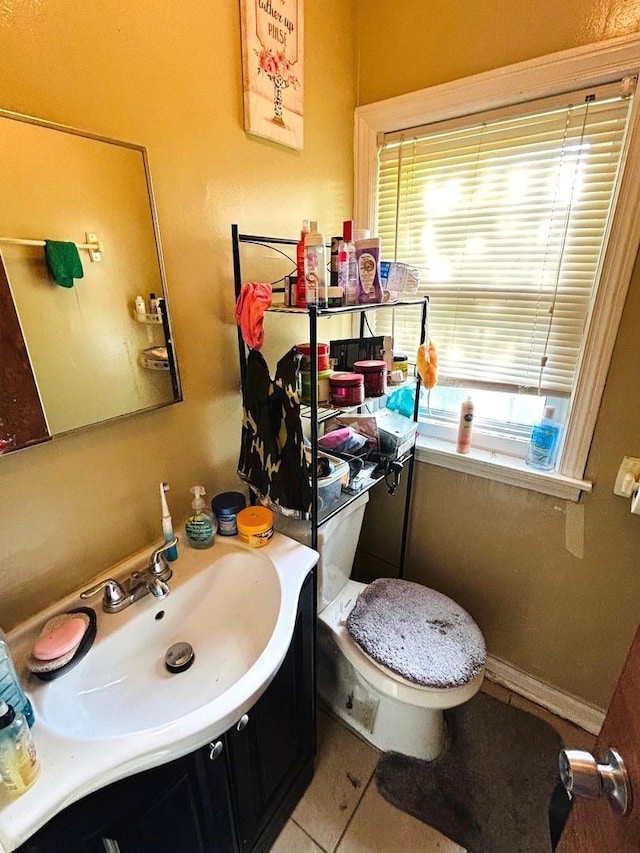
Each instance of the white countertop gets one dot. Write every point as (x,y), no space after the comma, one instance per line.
(75,764)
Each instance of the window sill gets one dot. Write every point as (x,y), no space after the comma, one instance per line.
(499,467)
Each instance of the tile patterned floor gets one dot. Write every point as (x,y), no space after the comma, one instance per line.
(342,811)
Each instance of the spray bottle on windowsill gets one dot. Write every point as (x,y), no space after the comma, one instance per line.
(544,442)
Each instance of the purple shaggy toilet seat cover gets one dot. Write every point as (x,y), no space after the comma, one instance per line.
(417,633)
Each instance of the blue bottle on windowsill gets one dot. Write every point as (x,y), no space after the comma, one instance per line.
(544,442)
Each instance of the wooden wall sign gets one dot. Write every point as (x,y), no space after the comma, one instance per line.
(273,69)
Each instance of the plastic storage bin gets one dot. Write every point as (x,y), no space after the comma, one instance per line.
(396,434)
(330,487)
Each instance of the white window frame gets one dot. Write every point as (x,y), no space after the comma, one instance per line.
(577,68)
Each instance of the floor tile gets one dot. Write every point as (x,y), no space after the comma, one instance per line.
(572,736)
(378,827)
(344,766)
(293,840)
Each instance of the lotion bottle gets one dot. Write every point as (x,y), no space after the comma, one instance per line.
(201,526)
(368,258)
(350,275)
(301,301)
(19,765)
(315,267)
(465,427)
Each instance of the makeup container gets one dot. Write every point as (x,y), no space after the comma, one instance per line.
(323,356)
(255,526)
(375,377)
(324,389)
(347,389)
(226,507)
(401,362)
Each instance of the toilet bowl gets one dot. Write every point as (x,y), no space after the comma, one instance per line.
(395,704)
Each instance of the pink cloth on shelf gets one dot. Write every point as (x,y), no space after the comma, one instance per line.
(253,301)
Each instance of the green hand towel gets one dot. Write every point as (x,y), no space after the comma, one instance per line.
(63,262)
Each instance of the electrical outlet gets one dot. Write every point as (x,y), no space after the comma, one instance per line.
(629,465)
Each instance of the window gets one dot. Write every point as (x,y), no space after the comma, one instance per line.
(513,215)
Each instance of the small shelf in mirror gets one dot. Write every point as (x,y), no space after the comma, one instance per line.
(155,358)
(150,319)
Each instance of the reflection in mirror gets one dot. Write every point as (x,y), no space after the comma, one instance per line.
(78,354)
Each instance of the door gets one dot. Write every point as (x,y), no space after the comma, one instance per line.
(593,825)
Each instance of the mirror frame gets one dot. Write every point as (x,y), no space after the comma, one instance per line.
(176,387)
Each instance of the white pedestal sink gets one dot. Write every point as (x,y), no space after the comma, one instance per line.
(120,711)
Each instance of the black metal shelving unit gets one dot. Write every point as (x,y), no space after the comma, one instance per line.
(315,413)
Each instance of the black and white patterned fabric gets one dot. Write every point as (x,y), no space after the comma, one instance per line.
(272,458)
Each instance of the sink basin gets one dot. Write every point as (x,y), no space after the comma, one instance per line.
(227,614)
(120,710)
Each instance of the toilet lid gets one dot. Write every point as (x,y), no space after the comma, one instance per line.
(417,633)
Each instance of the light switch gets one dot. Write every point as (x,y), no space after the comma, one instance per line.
(630,465)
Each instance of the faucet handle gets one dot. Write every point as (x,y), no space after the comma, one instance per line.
(157,587)
(157,563)
(113,592)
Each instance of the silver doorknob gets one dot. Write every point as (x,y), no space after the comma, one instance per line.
(583,776)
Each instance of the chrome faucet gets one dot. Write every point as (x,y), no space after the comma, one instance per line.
(154,579)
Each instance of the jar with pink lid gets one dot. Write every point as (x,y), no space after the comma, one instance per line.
(347,389)
(375,377)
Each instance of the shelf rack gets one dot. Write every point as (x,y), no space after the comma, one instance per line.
(323,413)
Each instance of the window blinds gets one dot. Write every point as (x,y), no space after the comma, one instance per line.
(506,217)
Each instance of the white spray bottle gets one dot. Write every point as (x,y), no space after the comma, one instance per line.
(167,524)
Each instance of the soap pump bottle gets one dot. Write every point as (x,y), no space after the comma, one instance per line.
(11,690)
(201,526)
(19,765)
(544,441)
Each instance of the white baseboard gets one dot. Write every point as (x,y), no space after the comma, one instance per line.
(586,716)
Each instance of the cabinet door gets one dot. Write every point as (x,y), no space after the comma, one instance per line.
(271,758)
(164,810)
(168,821)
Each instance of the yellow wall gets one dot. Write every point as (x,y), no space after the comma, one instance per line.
(411,45)
(501,551)
(165,75)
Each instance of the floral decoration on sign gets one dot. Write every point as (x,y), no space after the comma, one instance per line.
(279,70)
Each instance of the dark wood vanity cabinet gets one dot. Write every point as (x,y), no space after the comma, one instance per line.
(233,795)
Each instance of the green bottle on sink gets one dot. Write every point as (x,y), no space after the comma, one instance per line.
(201,526)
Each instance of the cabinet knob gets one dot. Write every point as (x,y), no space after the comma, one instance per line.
(215,749)
(242,722)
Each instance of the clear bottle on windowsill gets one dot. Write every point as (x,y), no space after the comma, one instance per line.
(544,442)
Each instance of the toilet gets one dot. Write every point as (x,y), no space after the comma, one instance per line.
(392,655)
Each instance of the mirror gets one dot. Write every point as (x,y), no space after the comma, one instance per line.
(78,355)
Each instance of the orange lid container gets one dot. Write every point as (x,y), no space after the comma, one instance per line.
(255,525)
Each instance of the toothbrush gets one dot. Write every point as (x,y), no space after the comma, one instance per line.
(167,524)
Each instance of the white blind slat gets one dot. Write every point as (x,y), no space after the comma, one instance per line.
(506,220)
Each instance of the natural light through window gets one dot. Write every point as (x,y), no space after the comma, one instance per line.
(516,192)
(506,216)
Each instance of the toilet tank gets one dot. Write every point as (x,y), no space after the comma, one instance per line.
(337,543)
